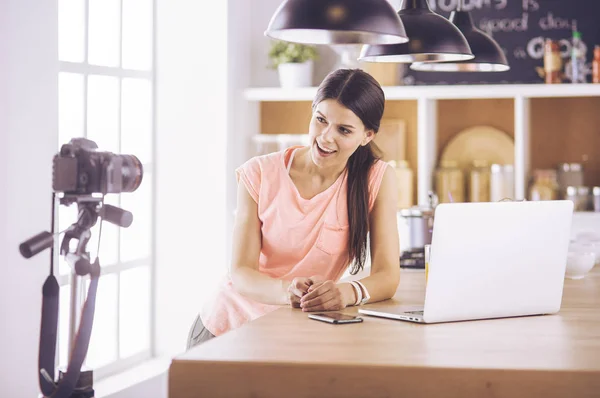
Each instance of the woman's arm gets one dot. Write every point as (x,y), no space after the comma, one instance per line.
(246,278)
(385,257)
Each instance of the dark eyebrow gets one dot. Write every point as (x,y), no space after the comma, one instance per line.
(343,125)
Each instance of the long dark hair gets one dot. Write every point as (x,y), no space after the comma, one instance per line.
(359,92)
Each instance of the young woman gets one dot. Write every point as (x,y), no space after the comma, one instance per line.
(303,215)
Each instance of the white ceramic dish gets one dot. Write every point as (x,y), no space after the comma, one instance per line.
(579,264)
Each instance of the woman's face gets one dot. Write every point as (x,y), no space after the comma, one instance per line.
(335,133)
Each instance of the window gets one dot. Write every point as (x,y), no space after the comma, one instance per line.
(106,85)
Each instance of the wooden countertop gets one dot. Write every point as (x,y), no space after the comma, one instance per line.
(285,354)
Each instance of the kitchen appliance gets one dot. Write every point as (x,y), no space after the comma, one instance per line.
(415,227)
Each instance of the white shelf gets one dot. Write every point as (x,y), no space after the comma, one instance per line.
(440,92)
(427,98)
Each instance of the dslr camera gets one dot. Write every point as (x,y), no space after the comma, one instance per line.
(79,169)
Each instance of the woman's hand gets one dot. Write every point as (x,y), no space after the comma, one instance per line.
(297,289)
(327,296)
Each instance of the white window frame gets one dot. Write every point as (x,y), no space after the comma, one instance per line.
(85,70)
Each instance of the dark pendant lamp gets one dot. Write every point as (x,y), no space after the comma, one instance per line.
(432,38)
(337,22)
(489,57)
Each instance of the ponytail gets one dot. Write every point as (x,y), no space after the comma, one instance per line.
(359,166)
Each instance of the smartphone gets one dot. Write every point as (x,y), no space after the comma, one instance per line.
(336,318)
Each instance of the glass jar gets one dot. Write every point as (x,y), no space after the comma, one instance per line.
(449,182)
(479,181)
(404,176)
(544,185)
(580,196)
(596,199)
(502,182)
(265,144)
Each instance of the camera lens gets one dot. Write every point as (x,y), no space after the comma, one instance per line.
(132,172)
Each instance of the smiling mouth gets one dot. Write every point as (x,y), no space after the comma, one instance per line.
(324,151)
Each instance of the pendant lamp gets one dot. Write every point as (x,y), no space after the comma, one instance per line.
(489,57)
(337,22)
(432,38)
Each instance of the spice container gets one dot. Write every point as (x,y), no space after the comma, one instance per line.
(544,185)
(449,182)
(479,182)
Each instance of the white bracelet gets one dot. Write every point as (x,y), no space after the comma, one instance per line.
(366,294)
(357,291)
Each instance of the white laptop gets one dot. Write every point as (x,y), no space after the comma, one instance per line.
(492,260)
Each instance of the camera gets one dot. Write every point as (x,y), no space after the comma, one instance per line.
(80,169)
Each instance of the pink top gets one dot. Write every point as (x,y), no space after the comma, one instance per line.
(300,237)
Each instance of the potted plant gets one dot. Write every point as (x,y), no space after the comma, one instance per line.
(294,62)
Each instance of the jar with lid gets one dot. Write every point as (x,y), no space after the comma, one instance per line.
(479,181)
(544,185)
(569,175)
(449,182)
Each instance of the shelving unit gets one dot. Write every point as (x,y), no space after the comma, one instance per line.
(549,123)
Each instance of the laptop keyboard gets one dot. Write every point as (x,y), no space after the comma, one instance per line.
(415,312)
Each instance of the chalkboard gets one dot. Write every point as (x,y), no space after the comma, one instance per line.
(520,27)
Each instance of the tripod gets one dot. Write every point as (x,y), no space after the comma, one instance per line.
(73,383)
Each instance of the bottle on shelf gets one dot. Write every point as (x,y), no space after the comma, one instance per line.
(577,57)
(553,64)
(596,65)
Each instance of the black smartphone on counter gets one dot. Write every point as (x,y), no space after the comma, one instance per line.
(336,318)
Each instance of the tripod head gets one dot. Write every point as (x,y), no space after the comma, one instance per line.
(89,209)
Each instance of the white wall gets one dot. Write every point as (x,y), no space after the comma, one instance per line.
(191,158)
(28,140)
(242,116)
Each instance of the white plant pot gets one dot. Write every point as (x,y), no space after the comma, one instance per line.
(295,74)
